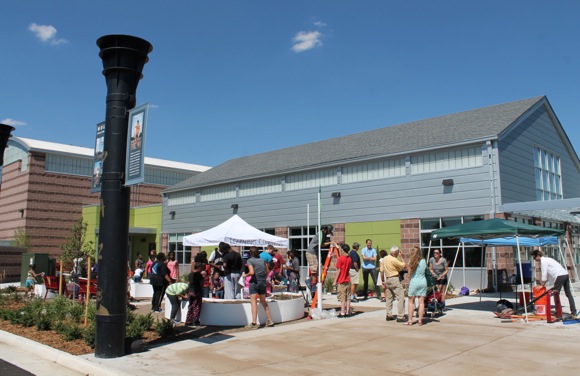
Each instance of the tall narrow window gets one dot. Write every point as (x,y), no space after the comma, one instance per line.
(547,171)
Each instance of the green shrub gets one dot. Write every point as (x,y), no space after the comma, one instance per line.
(164,327)
(57,307)
(11,289)
(130,316)
(24,317)
(71,331)
(328,284)
(16,296)
(7,313)
(59,327)
(90,334)
(43,323)
(74,311)
(139,325)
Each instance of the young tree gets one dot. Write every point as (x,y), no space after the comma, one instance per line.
(76,246)
(21,239)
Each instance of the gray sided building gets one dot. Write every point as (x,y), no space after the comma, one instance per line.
(393,185)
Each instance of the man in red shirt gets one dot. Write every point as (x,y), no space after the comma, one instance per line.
(343,281)
(278,261)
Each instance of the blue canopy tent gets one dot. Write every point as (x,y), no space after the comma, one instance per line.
(511,241)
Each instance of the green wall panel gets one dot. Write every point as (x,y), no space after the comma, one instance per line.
(384,234)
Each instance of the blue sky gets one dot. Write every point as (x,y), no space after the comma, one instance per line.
(227,79)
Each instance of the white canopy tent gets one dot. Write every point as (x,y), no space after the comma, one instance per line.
(235,231)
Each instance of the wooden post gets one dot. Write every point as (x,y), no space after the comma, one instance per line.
(60,277)
(87,298)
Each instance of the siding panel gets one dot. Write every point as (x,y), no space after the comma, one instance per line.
(517,158)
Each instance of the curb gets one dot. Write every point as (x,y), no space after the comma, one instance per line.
(75,363)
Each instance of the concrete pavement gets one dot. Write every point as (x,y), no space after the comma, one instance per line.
(467,339)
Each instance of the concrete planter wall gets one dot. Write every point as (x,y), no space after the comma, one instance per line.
(40,290)
(141,290)
(221,312)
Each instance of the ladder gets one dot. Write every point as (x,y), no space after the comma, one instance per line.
(332,251)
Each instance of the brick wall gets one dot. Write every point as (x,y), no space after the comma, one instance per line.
(10,264)
(47,204)
(409,235)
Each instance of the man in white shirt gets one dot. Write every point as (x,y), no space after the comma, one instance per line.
(552,269)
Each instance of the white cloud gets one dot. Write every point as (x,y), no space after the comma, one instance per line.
(46,33)
(12,122)
(306,40)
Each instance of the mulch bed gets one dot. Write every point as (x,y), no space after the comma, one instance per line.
(79,347)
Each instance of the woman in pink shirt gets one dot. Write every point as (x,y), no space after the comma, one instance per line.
(173,267)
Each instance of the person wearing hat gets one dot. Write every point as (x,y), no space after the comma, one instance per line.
(390,268)
(312,253)
(555,272)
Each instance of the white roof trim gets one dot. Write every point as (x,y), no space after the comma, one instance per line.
(53,147)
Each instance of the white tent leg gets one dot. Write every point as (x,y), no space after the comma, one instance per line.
(494,280)
(522,278)
(483,268)
(463,258)
(563,256)
(451,273)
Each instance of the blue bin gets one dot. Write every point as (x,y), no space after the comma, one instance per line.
(526,270)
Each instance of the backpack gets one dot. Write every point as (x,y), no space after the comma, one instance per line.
(504,304)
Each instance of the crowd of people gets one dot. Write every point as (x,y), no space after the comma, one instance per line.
(228,274)
(225,274)
(253,274)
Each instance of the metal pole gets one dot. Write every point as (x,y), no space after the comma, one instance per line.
(123,59)
(5,134)
(319,282)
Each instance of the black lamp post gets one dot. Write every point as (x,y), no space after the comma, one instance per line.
(5,131)
(123,59)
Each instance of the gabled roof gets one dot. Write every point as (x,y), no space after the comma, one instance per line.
(449,130)
(79,151)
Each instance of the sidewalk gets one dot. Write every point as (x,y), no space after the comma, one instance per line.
(467,338)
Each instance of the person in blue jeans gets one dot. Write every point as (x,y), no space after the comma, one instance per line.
(369,268)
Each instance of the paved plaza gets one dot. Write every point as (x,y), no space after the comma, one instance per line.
(467,339)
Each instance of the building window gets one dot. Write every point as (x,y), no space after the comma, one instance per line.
(218,193)
(68,165)
(311,179)
(181,198)
(182,254)
(299,238)
(575,235)
(166,177)
(447,160)
(373,170)
(15,152)
(449,247)
(547,168)
(260,187)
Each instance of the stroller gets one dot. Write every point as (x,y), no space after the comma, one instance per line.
(433,302)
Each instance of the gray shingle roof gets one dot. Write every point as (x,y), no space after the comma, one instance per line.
(462,127)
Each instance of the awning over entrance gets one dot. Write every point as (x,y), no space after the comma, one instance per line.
(556,210)
(136,231)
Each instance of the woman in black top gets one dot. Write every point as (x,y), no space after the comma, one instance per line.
(195,293)
(159,279)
